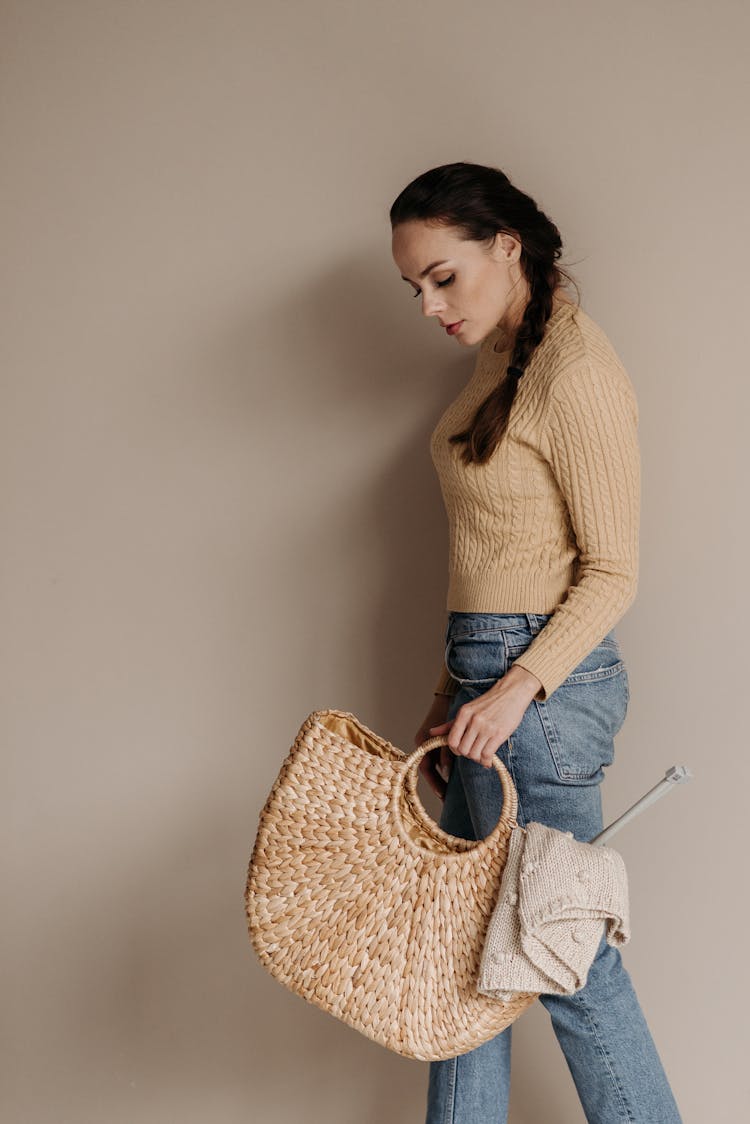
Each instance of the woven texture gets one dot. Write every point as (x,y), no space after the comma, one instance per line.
(357,901)
(556,897)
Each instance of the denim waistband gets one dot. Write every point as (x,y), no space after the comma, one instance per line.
(460,622)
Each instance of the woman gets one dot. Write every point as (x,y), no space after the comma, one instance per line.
(539,467)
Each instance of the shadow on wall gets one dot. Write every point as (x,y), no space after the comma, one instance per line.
(197,1021)
(351,614)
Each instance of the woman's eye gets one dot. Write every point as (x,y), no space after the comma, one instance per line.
(440,284)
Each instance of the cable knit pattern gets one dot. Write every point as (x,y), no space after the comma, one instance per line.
(550,523)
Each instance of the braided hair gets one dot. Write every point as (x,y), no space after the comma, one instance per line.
(480,202)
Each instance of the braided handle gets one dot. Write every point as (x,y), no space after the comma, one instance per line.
(407,777)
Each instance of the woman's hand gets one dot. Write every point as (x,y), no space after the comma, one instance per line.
(440,757)
(481,725)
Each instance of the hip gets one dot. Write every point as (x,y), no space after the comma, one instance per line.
(573,728)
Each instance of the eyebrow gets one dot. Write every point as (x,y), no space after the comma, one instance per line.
(429,268)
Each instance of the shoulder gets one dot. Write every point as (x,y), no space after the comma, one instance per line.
(577,360)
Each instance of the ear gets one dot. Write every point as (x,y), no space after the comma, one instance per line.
(507,247)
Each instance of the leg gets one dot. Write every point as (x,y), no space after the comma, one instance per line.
(609,1049)
(556,757)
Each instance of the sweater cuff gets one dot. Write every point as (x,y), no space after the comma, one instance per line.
(546,668)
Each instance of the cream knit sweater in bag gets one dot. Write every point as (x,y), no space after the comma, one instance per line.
(555,894)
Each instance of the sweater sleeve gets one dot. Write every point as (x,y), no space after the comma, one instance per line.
(590,440)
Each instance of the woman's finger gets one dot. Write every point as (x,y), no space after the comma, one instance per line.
(431,775)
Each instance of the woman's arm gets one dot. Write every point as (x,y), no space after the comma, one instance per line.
(590,440)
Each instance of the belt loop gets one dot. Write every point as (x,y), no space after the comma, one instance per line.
(532,623)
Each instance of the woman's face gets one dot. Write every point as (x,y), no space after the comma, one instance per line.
(476,287)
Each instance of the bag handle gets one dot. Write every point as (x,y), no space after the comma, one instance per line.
(406,777)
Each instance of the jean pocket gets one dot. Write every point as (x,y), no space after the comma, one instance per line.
(476,657)
(582,716)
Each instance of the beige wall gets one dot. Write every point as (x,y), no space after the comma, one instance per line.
(219,511)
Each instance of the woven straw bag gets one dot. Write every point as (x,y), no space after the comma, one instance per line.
(357,901)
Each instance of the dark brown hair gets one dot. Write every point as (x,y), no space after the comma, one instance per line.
(480,202)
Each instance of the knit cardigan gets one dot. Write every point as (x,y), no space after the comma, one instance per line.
(550,523)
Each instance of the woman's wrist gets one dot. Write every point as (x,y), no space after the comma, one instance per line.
(519,680)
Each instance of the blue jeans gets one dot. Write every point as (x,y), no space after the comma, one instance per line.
(556,757)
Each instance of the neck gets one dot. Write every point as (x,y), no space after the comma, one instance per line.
(509,323)
(511,319)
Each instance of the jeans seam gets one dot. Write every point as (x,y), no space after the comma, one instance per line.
(629,1118)
(450,1104)
(520,816)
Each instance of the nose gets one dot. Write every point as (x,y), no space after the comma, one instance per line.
(432,304)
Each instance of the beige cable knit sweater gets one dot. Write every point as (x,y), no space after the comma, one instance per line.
(550,523)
